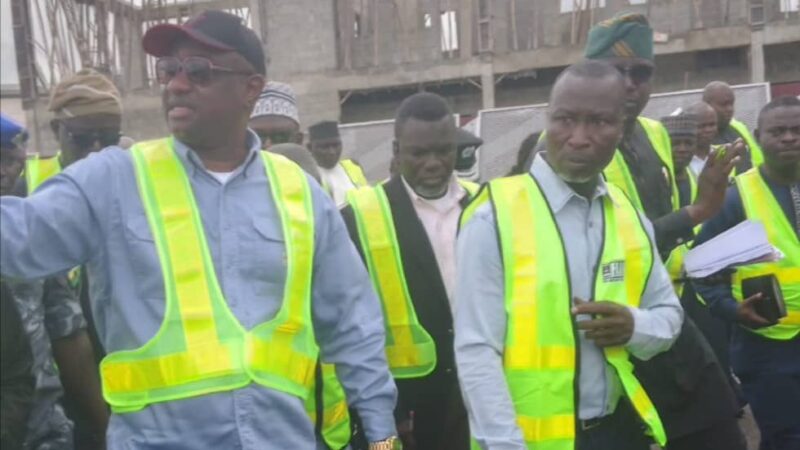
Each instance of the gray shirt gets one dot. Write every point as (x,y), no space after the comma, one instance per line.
(91,213)
(480,319)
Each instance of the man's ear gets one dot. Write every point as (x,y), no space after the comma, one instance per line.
(299,137)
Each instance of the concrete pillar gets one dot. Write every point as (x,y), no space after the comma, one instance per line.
(487,84)
(757,69)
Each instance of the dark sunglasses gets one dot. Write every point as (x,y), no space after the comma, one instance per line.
(87,139)
(198,70)
(277,137)
(639,73)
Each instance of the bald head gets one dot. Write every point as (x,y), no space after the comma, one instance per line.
(706,126)
(720,96)
(585,120)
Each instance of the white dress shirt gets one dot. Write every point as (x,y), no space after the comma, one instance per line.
(697,164)
(337,183)
(440,217)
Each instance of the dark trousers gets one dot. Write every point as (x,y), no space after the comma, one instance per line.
(622,430)
(724,435)
(775,399)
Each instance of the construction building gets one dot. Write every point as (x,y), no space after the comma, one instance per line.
(355,60)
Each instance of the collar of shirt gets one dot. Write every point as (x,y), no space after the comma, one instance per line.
(451,198)
(194,163)
(558,191)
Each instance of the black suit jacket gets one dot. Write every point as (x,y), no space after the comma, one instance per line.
(435,399)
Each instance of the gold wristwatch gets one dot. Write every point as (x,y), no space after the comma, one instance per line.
(391,443)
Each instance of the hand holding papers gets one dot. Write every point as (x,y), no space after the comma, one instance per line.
(743,244)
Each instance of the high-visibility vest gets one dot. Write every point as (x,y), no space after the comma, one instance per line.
(756,154)
(471,187)
(354,172)
(201,347)
(760,204)
(541,357)
(617,171)
(674,263)
(410,350)
(38,170)
(335,416)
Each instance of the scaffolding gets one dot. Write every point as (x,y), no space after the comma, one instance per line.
(55,38)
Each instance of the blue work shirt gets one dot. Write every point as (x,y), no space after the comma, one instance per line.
(92,214)
(750,352)
(481,319)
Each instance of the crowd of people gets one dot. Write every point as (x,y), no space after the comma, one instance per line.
(240,285)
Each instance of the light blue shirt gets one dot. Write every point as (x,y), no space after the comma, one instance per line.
(480,316)
(92,213)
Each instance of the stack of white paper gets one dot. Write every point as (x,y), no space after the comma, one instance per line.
(743,244)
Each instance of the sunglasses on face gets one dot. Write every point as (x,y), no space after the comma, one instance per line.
(639,73)
(198,70)
(85,139)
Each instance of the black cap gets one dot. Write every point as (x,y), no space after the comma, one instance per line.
(212,28)
(323,130)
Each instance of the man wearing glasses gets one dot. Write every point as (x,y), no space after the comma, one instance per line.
(218,273)
(87,116)
(275,118)
(686,384)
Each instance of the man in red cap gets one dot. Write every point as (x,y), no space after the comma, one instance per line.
(219,275)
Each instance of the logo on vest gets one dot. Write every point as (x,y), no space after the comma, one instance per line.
(613,271)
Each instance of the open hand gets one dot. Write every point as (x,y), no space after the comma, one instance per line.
(613,325)
(713,181)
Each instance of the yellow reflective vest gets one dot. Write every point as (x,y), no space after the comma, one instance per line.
(410,350)
(674,263)
(760,204)
(354,172)
(38,170)
(333,418)
(617,171)
(756,154)
(540,357)
(201,347)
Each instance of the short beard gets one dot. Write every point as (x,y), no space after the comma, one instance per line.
(430,194)
(576,180)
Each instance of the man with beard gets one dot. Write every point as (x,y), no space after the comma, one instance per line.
(405,230)
(721,97)
(686,383)
(558,284)
(221,273)
(766,355)
(338,175)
